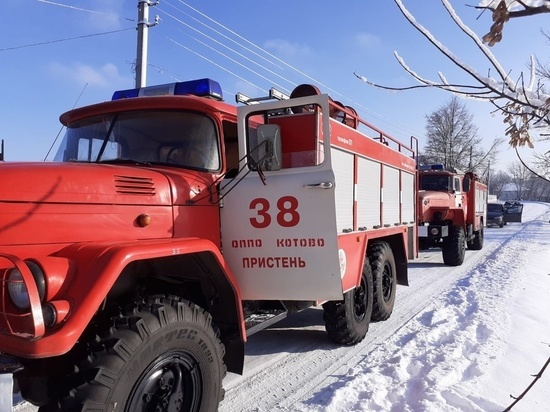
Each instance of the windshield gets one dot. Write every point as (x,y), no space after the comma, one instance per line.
(180,138)
(436,182)
(495,207)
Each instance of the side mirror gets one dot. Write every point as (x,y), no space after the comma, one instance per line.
(268,153)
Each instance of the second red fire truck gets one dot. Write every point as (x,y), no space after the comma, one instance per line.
(452,211)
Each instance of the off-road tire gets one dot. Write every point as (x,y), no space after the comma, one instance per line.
(477,242)
(454,247)
(384,277)
(347,321)
(160,354)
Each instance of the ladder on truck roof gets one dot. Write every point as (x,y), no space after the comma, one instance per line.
(274,94)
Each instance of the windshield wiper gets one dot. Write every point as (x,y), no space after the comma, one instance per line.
(106,139)
(125,161)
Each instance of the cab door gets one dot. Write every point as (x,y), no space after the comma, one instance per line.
(279,234)
(457,189)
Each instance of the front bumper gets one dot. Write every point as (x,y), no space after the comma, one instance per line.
(433,231)
(495,222)
(8,366)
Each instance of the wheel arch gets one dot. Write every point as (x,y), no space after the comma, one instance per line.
(201,278)
(104,273)
(458,217)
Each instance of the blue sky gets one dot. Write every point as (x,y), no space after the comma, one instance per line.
(285,43)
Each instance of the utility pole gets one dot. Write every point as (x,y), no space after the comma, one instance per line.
(142,40)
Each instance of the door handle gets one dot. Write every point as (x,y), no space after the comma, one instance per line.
(322,185)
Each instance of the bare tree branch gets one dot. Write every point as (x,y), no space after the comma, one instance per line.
(524,106)
(446,87)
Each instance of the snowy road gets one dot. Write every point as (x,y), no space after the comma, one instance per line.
(446,332)
(297,358)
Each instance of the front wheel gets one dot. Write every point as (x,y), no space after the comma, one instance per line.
(160,355)
(347,321)
(454,247)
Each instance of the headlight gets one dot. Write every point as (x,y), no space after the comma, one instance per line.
(18,290)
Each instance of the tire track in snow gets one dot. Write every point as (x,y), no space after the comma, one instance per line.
(453,341)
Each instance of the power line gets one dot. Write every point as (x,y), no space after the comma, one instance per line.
(352,102)
(65,39)
(230,31)
(236,62)
(81,9)
(224,45)
(271,59)
(259,48)
(214,63)
(221,34)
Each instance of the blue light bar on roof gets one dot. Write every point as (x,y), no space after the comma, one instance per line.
(432,167)
(201,87)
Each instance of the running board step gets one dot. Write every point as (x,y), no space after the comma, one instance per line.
(262,319)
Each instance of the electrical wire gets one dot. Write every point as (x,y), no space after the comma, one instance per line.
(236,62)
(355,104)
(65,39)
(53,3)
(227,47)
(271,59)
(214,63)
(228,30)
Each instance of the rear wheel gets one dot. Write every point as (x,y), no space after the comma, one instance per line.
(384,277)
(454,247)
(347,321)
(160,355)
(477,241)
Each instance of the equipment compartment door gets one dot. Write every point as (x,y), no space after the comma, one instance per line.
(280,240)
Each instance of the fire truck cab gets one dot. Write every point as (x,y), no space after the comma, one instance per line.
(452,211)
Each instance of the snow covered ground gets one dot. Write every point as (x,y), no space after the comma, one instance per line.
(460,339)
(474,345)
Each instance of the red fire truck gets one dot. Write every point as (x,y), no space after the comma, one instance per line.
(172,225)
(452,211)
